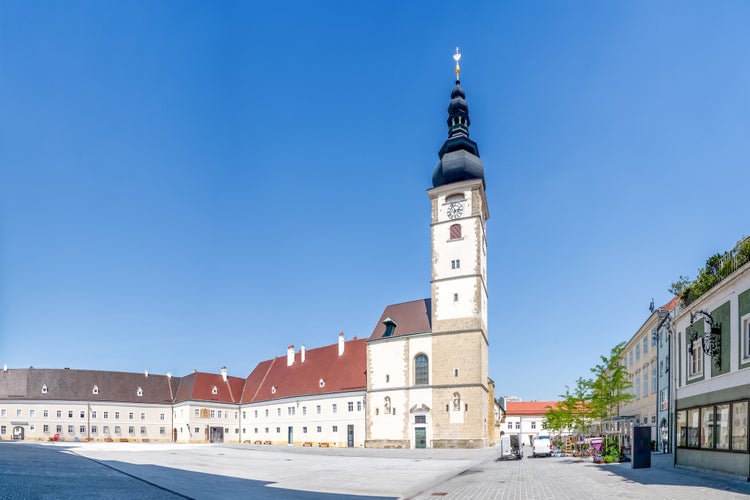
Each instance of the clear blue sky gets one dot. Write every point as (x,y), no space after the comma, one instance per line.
(186,185)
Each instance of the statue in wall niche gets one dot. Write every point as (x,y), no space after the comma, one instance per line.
(456,401)
(387,406)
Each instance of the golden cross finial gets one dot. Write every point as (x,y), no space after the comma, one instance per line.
(457,57)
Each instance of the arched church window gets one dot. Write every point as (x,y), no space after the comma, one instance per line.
(455,231)
(421,370)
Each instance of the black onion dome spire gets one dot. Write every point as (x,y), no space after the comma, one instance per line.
(459,156)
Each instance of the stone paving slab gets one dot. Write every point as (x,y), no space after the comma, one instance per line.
(130,470)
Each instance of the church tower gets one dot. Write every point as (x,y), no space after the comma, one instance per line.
(460,391)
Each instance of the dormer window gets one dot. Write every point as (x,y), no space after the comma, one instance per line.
(95,390)
(44,388)
(390,327)
(273,389)
(139,392)
(321,383)
(214,390)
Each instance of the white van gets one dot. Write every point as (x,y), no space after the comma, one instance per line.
(542,446)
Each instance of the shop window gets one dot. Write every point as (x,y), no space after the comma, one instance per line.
(739,426)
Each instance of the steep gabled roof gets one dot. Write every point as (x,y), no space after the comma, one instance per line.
(86,385)
(273,379)
(199,386)
(530,408)
(409,317)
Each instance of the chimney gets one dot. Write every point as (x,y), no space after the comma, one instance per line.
(290,355)
(302,353)
(224,373)
(5,368)
(341,343)
(169,375)
(145,372)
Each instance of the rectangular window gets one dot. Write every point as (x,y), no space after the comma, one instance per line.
(3,413)
(106,414)
(130,415)
(3,429)
(739,426)
(707,427)
(105,429)
(278,411)
(83,414)
(31,427)
(637,385)
(162,416)
(654,378)
(58,428)
(630,359)
(59,413)
(304,410)
(304,430)
(131,430)
(197,430)
(45,413)
(693,426)
(359,405)
(93,414)
(19,413)
(278,430)
(197,412)
(213,413)
(645,345)
(420,419)
(533,424)
(70,413)
(94,429)
(335,409)
(266,411)
(746,339)
(143,430)
(319,429)
(350,406)
(71,430)
(456,264)
(117,429)
(162,430)
(518,425)
(45,428)
(117,415)
(335,428)
(695,359)
(143,416)
(317,409)
(721,428)
(32,413)
(645,382)
(82,429)
(637,352)
(266,430)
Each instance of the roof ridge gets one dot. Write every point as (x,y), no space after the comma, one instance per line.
(265,375)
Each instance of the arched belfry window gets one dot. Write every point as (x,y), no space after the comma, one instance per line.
(454,198)
(455,231)
(421,370)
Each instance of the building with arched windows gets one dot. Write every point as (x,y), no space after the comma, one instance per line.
(419,381)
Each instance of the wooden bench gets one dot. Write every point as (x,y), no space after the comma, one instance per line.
(266,442)
(124,440)
(324,445)
(145,440)
(109,440)
(258,441)
(307,443)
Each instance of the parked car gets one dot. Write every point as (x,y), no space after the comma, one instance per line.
(542,446)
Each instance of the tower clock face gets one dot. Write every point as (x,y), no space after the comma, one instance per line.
(455,210)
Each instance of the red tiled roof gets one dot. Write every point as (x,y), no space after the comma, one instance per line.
(671,304)
(410,317)
(198,386)
(273,379)
(522,408)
